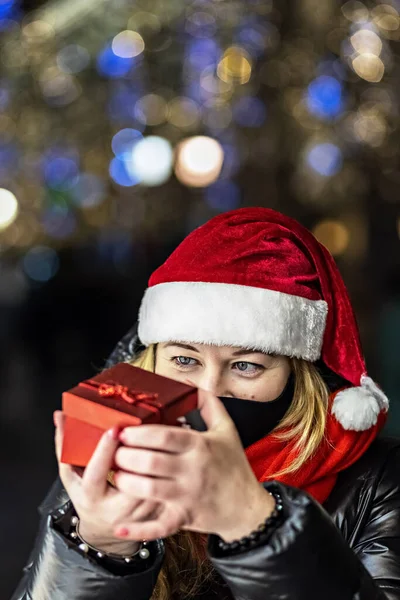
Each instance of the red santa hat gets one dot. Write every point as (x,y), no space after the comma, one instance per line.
(257,279)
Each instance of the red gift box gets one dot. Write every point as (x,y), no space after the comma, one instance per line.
(123,396)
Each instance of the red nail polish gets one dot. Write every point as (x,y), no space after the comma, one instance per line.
(123,532)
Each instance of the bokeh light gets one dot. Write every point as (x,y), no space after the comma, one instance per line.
(122,173)
(59,172)
(235,66)
(41,263)
(8,208)
(7,8)
(324,97)
(113,66)
(152,160)
(368,66)
(256,37)
(334,235)
(124,141)
(386,17)
(366,40)
(58,88)
(370,127)
(127,44)
(202,53)
(325,159)
(151,109)
(355,11)
(37,31)
(199,161)
(183,112)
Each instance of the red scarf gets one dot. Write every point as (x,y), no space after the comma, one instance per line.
(340,449)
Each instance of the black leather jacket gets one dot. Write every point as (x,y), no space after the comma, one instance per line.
(350,550)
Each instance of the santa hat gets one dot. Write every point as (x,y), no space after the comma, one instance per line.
(257,279)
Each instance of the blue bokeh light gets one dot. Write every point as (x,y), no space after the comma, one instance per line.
(253,35)
(326,159)
(202,53)
(249,111)
(324,97)
(124,141)
(121,105)
(121,174)
(223,195)
(7,8)
(113,66)
(40,263)
(60,172)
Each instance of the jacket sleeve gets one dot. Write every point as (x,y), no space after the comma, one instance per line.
(307,557)
(56,570)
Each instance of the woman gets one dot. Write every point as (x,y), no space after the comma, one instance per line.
(251,309)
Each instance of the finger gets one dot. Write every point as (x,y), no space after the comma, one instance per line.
(58,418)
(68,475)
(213,412)
(147,488)
(94,480)
(159,437)
(148,462)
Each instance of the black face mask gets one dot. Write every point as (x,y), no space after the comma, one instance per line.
(253,420)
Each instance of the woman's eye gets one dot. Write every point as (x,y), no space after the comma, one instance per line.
(183,361)
(244,367)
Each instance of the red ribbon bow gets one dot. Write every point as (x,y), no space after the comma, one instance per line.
(111,389)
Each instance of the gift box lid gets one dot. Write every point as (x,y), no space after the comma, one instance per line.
(130,390)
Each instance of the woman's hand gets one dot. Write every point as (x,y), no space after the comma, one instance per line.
(202,479)
(101,508)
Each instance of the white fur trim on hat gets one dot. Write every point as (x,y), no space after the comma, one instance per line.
(233,315)
(357,408)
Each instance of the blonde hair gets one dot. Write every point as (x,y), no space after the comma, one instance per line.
(186,567)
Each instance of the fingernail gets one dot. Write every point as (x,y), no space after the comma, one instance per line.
(113,433)
(122,532)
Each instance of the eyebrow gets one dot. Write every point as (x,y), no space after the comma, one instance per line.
(193,349)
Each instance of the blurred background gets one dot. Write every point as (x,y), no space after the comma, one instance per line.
(123,126)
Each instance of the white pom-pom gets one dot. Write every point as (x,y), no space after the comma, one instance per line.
(357,408)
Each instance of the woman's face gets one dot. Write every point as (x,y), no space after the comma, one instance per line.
(225,371)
